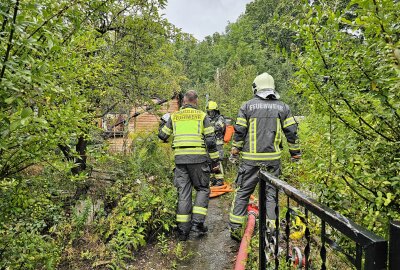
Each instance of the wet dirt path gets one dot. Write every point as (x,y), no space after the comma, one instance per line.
(216,250)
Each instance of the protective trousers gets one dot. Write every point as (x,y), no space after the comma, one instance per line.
(186,176)
(246,183)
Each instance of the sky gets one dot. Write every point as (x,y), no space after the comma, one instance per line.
(204,17)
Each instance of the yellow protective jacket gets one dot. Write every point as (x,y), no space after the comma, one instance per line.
(193,136)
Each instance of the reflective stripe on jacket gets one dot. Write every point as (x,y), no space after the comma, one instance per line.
(188,128)
(192,135)
(259,128)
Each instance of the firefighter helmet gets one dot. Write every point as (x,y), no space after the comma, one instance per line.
(212,105)
(264,86)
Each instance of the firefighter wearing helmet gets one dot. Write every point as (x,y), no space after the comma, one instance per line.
(194,143)
(218,122)
(259,127)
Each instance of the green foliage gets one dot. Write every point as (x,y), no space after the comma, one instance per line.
(29,250)
(24,224)
(349,76)
(163,243)
(146,201)
(64,65)
(181,254)
(232,81)
(134,218)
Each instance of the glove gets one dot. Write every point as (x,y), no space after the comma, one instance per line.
(295,158)
(215,168)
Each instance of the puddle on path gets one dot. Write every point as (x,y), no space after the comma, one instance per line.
(216,250)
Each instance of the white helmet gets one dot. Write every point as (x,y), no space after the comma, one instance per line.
(264,86)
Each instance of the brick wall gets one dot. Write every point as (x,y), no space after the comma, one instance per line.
(146,121)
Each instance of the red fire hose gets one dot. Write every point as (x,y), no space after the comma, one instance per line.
(241,258)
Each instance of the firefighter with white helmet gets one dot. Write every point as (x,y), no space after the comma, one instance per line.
(259,127)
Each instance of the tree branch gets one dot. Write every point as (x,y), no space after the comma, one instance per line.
(136,114)
(107,110)
(387,38)
(355,190)
(3,26)
(319,51)
(108,27)
(367,188)
(386,99)
(359,132)
(65,8)
(344,99)
(9,45)
(363,120)
(83,20)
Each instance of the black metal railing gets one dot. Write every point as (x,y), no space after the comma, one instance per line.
(394,245)
(370,252)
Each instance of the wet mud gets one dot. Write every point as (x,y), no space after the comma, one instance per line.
(215,250)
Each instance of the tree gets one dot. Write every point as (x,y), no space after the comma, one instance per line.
(348,72)
(63,65)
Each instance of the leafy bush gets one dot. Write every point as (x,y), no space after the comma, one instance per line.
(348,74)
(145,197)
(27,216)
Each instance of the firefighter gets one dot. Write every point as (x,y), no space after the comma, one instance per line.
(258,134)
(192,132)
(218,122)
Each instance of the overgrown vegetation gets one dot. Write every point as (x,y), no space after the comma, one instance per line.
(118,217)
(337,64)
(349,74)
(65,64)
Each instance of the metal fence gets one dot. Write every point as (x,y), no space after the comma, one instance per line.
(371,251)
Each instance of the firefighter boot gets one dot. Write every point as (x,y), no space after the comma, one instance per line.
(182,235)
(199,228)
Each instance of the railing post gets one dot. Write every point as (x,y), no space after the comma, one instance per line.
(277,228)
(394,245)
(376,256)
(287,228)
(262,226)
(359,252)
(308,241)
(323,249)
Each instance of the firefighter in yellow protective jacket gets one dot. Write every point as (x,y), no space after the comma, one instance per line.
(193,135)
(259,127)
